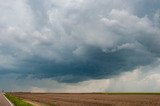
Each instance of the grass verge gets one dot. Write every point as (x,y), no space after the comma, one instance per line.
(17,101)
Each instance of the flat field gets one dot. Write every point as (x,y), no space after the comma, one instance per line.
(92,99)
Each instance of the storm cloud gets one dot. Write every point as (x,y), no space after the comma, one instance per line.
(70,41)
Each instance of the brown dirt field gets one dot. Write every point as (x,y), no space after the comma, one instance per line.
(91,99)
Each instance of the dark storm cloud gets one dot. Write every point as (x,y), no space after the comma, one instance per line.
(96,65)
(73,41)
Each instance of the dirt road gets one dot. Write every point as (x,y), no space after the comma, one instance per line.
(3,101)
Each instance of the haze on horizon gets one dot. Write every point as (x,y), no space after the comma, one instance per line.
(80,45)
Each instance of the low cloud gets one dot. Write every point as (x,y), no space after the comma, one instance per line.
(71,41)
(142,79)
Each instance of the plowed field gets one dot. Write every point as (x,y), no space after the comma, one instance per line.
(91,99)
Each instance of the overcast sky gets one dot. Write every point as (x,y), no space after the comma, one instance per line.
(80,45)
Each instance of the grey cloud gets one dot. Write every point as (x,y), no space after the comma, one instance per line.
(72,41)
(138,80)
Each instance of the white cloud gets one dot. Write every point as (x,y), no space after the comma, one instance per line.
(68,25)
(62,31)
(139,80)
(36,89)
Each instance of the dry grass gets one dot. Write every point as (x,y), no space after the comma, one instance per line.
(92,99)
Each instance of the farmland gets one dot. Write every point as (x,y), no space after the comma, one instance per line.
(92,99)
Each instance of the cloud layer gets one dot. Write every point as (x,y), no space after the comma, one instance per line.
(77,40)
(142,79)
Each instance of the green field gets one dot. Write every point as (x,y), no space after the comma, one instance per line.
(17,101)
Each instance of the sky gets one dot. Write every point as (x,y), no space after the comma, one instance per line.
(80,45)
